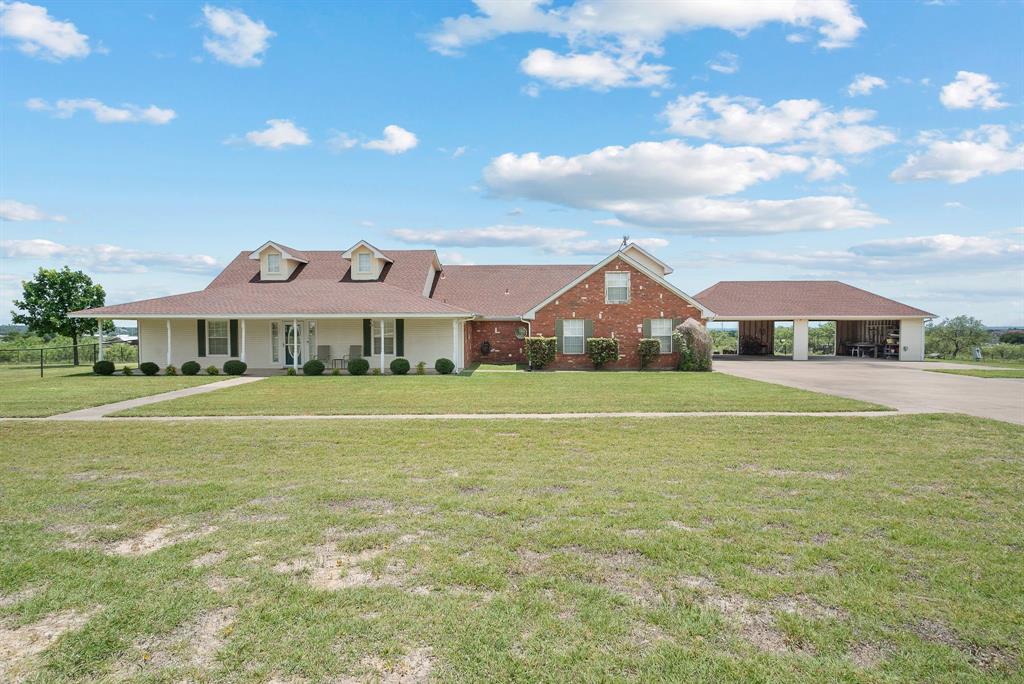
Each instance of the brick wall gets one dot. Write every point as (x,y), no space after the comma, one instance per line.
(648,299)
(505,348)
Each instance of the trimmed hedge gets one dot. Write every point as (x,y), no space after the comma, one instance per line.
(212,370)
(103,368)
(235,367)
(190,368)
(400,366)
(313,367)
(602,350)
(540,351)
(149,368)
(648,349)
(444,366)
(358,366)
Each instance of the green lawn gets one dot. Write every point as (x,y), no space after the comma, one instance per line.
(725,549)
(981,372)
(1004,363)
(61,389)
(501,393)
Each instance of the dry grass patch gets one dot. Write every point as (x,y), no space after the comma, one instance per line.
(19,645)
(194,645)
(159,537)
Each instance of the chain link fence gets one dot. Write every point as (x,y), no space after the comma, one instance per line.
(63,356)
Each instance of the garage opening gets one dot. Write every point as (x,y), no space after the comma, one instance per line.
(874,339)
(821,338)
(724,337)
(782,333)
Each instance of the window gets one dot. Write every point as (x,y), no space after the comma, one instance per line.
(217,338)
(273,263)
(365,266)
(661,330)
(572,336)
(389,336)
(616,287)
(275,341)
(311,340)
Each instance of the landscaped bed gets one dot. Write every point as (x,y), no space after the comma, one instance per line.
(744,549)
(502,393)
(23,393)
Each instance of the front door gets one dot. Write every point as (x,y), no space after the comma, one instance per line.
(292,344)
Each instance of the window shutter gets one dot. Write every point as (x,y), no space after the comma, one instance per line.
(558,335)
(588,330)
(233,336)
(647,328)
(399,337)
(201,337)
(368,337)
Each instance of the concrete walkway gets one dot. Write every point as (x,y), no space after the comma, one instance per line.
(905,386)
(98,412)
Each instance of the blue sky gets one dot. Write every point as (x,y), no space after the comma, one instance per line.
(877,143)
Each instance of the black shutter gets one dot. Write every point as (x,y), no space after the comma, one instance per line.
(399,337)
(558,335)
(647,328)
(588,330)
(233,336)
(368,337)
(201,337)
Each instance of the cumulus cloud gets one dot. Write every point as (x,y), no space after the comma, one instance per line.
(126,113)
(107,258)
(863,84)
(986,150)
(37,34)
(672,186)
(235,38)
(725,63)
(12,210)
(278,134)
(339,142)
(396,140)
(595,70)
(970,90)
(564,241)
(801,125)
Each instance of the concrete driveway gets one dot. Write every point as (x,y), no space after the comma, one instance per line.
(904,386)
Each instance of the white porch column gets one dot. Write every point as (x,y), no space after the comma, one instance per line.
(382,345)
(295,344)
(241,355)
(801,339)
(99,337)
(455,345)
(168,343)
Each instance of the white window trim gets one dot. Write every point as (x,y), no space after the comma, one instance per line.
(582,336)
(275,342)
(270,264)
(227,336)
(376,336)
(663,350)
(369,262)
(629,289)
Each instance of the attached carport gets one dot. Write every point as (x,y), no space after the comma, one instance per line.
(866,324)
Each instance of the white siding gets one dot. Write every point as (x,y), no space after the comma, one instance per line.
(911,339)
(153,342)
(429,340)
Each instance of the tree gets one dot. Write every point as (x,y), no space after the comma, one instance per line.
(1012,337)
(50,296)
(955,335)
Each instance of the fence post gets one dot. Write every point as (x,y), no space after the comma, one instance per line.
(40,363)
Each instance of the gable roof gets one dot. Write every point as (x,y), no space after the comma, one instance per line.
(502,291)
(813,299)
(363,243)
(286,252)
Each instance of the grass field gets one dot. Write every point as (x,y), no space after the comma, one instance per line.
(982,372)
(729,549)
(61,389)
(501,393)
(1003,363)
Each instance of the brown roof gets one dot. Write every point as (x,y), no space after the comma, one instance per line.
(799,299)
(503,291)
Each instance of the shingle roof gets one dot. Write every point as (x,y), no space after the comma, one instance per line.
(503,291)
(798,299)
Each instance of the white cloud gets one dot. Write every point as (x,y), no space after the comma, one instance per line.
(596,70)
(563,241)
(863,84)
(339,142)
(236,39)
(278,134)
(126,113)
(38,34)
(459,151)
(801,124)
(986,150)
(12,210)
(396,140)
(669,185)
(954,205)
(725,63)
(107,258)
(969,90)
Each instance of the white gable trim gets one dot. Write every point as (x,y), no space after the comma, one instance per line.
(705,311)
(255,255)
(633,245)
(363,243)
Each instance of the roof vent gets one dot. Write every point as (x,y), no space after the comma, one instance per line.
(506,290)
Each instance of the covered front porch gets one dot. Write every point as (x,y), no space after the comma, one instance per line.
(277,343)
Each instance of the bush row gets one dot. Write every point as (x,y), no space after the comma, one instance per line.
(691,340)
(231,367)
(360,366)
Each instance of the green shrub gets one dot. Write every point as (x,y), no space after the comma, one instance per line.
(313,367)
(212,370)
(1006,351)
(103,368)
(1012,337)
(399,366)
(291,371)
(149,368)
(648,349)
(540,351)
(358,366)
(444,366)
(695,346)
(235,367)
(421,368)
(602,350)
(170,370)
(190,368)
(127,370)
(335,371)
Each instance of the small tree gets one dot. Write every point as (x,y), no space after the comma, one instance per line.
(602,350)
(694,343)
(51,295)
(956,335)
(647,349)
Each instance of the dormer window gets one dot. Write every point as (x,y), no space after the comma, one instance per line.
(273,263)
(365,264)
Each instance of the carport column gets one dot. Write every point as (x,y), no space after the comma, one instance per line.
(99,337)
(800,339)
(168,343)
